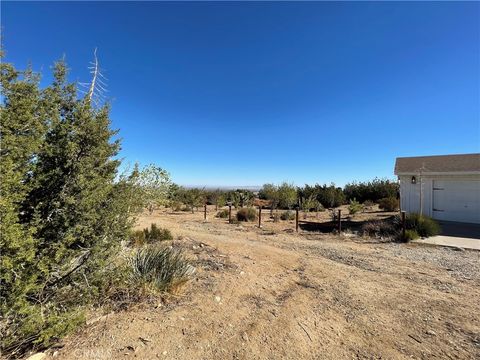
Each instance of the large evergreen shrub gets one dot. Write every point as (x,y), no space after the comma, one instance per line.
(372,190)
(63,213)
(329,196)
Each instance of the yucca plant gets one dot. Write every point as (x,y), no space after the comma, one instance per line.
(162,267)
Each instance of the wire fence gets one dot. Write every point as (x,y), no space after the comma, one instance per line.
(336,222)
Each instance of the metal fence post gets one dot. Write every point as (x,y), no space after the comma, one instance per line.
(339,221)
(260,216)
(296,219)
(229,213)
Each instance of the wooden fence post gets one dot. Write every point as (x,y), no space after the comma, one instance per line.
(229,213)
(296,219)
(260,216)
(205,212)
(339,221)
(404,225)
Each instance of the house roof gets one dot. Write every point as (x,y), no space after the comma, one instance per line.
(462,163)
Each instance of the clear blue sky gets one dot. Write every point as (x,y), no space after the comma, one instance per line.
(248,93)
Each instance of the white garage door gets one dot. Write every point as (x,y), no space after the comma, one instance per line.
(456,200)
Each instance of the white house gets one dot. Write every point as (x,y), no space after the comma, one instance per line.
(445,187)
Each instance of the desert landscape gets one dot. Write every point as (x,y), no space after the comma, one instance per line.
(272,293)
(239,180)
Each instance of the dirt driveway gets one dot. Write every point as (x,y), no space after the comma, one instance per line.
(261,294)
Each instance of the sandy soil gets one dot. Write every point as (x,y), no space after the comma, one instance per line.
(273,294)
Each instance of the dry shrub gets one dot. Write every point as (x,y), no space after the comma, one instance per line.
(155,233)
(368,203)
(389,204)
(411,235)
(287,215)
(222,214)
(176,206)
(381,228)
(423,225)
(247,214)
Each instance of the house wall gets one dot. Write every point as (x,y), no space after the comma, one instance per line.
(410,193)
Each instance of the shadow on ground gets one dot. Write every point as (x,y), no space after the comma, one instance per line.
(463,230)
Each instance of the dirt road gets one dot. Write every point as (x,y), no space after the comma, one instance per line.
(261,294)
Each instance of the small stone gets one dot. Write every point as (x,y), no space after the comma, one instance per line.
(245,336)
(218,299)
(431,332)
(242,273)
(164,353)
(37,356)
(144,340)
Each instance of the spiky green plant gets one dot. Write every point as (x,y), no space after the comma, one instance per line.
(161,267)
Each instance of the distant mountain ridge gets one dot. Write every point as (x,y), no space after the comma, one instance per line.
(224,187)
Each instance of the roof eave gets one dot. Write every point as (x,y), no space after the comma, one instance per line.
(426,173)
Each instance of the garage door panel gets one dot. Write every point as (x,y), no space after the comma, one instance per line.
(456,200)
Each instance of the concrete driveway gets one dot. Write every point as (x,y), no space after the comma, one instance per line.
(455,234)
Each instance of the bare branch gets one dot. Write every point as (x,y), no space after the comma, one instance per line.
(97,87)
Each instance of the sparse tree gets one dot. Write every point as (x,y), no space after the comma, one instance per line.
(287,194)
(154,185)
(270,192)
